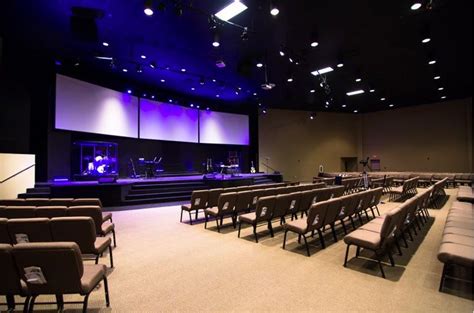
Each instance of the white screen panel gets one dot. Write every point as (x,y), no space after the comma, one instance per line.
(224,128)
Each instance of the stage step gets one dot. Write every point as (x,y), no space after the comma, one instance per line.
(155,185)
(34,195)
(160,190)
(157,200)
(168,194)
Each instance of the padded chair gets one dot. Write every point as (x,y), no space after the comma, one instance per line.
(2,211)
(106,216)
(102,229)
(332,212)
(61,201)
(61,264)
(29,230)
(198,202)
(256,195)
(225,207)
(10,280)
(214,197)
(263,213)
(4,237)
(20,212)
(12,202)
(81,230)
(37,202)
(242,204)
(51,211)
(282,207)
(314,222)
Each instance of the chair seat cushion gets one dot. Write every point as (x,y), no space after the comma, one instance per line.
(298,226)
(212,211)
(462,205)
(186,207)
(374,227)
(458,231)
(107,228)
(458,239)
(93,274)
(397,189)
(463,218)
(364,239)
(457,254)
(248,218)
(106,216)
(100,244)
(460,224)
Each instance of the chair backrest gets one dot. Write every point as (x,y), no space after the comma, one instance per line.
(391,224)
(226,202)
(336,191)
(244,199)
(86,201)
(265,207)
(376,195)
(50,268)
(12,202)
(333,209)
(51,211)
(347,206)
(306,199)
(4,237)
(2,211)
(214,197)
(89,211)
(295,199)
(316,215)
(37,201)
(282,205)
(61,202)
(29,230)
(10,282)
(80,230)
(256,195)
(20,212)
(199,199)
(269,192)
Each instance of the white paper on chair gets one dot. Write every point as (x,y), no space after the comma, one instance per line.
(21,238)
(34,275)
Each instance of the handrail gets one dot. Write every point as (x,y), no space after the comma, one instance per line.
(269,167)
(17,173)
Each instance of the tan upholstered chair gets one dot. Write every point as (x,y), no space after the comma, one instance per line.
(214,197)
(4,237)
(29,230)
(243,202)
(331,217)
(61,265)
(51,211)
(12,202)
(37,202)
(20,212)
(314,222)
(81,230)
(61,202)
(106,216)
(10,280)
(198,202)
(2,211)
(102,229)
(263,213)
(225,207)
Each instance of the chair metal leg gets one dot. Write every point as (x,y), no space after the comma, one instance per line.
(60,302)
(321,238)
(306,244)
(84,306)
(10,302)
(398,247)
(347,253)
(97,259)
(270,228)
(197,212)
(390,256)
(190,218)
(111,257)
(217,223)
(404,240)
(106,291)
(352,222)
(181,217)
(240,226)
(32,303)
(380,264)
(377,208)
(206,217)
(284,239)
(357,251)
(333,230)
(443,276)
(343,226)
(255,232)
(26,304)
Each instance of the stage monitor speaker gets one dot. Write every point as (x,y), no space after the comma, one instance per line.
(107,179)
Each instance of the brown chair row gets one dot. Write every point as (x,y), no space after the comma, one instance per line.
(465,194)
(106,216)
(202,199)
(385,182)
(80,230)
(101,228)
(279,206)
(352,184)
(457,244)
(382,233)
(33,269)
(405,191)
(329,212)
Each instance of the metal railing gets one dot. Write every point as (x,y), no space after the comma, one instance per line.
(17,173)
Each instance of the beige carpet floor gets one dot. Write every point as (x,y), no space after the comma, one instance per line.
(163,265)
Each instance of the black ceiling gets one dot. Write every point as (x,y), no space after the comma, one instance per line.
(380,40)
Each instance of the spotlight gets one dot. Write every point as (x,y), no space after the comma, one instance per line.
(139,68)
(218,96)
(340,65)
(198,106)
(443,97)
(282,51)
(143,56)
(202,81)
(290,77)
(216,42)
(426,40)
(259,64)
(340,61)
(383,99)
(437,77)
(191,105)
(391,105)
(356,111)
(344,105)
(274,9)
(371,90)
(358,80)
(162,80)
(192,88)
(112,64)
(312,90)
(183,70)
(124,70)
(441,88)
(312,116)
(264,111)
(425,35)
(153,96)
(105,44)
(208,108)
(314,40)
(129,91)
(415,5)
(245,34)
(153,64)
(148,8)
(431,62)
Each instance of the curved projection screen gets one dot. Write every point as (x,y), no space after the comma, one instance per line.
(85,107)
(223,128)
(163,121)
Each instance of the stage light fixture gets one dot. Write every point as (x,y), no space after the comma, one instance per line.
(183,70)
(148,8)
(344,105)
(312,116)
(245,34)
(105,44)
(216,41)
(415,5)
(192,88)
(232,10)
(162,80)
(282,51)
(259,64)
(198,106)
(322,71)
(355,92)
(391,105)
(358,80)
(129,91)
(356,111)
(340,64)
(191,105)
(274,8)
(218,96)
(124,70)
(314,39)
(143,56)
(426,40)
(426,34)
(312,90)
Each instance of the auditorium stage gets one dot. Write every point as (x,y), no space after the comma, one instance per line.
(130,191)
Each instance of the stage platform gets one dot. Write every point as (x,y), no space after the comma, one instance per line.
(131,191)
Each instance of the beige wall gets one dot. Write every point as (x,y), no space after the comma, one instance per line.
(433,137)
(11,164)
(297,145)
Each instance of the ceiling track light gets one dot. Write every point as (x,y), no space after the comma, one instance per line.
(274,8)
(245,34)
(216,39)
(314,39)
(426,35)
(148,10)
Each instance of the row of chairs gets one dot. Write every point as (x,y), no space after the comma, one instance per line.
(407,190)
(457,244)
(102,228)
(67,202)
(234,204)
(269,208)
(80,230)
(327,213)
(352,185)
(203,199)
(383,233)
(49,268)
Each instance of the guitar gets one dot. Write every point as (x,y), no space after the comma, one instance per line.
(252,168)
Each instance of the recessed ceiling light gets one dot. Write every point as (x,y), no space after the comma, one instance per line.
(274,9)
(314,44)
(355,92)
(162,80)
(415,6)
(282,53)
(124,70)
(358,80)
(355,111)
(129,91)
(198,106)
(143,56)
(148,11)
(105,44)
(213,80)
(218,96)
(148,8)
(232,10)
(291,60)
(372,90)
(312,90)
(254,93)
(216,44)
(340,65)
(443,97)
(322,71)
(344,105)
(192,88)
(437,77)
(391,105)
(191,105)
(170,100)
(426,40)
(153,97)
(441,88)
(259,64)
(383,99)
(290,80)
(432,62)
